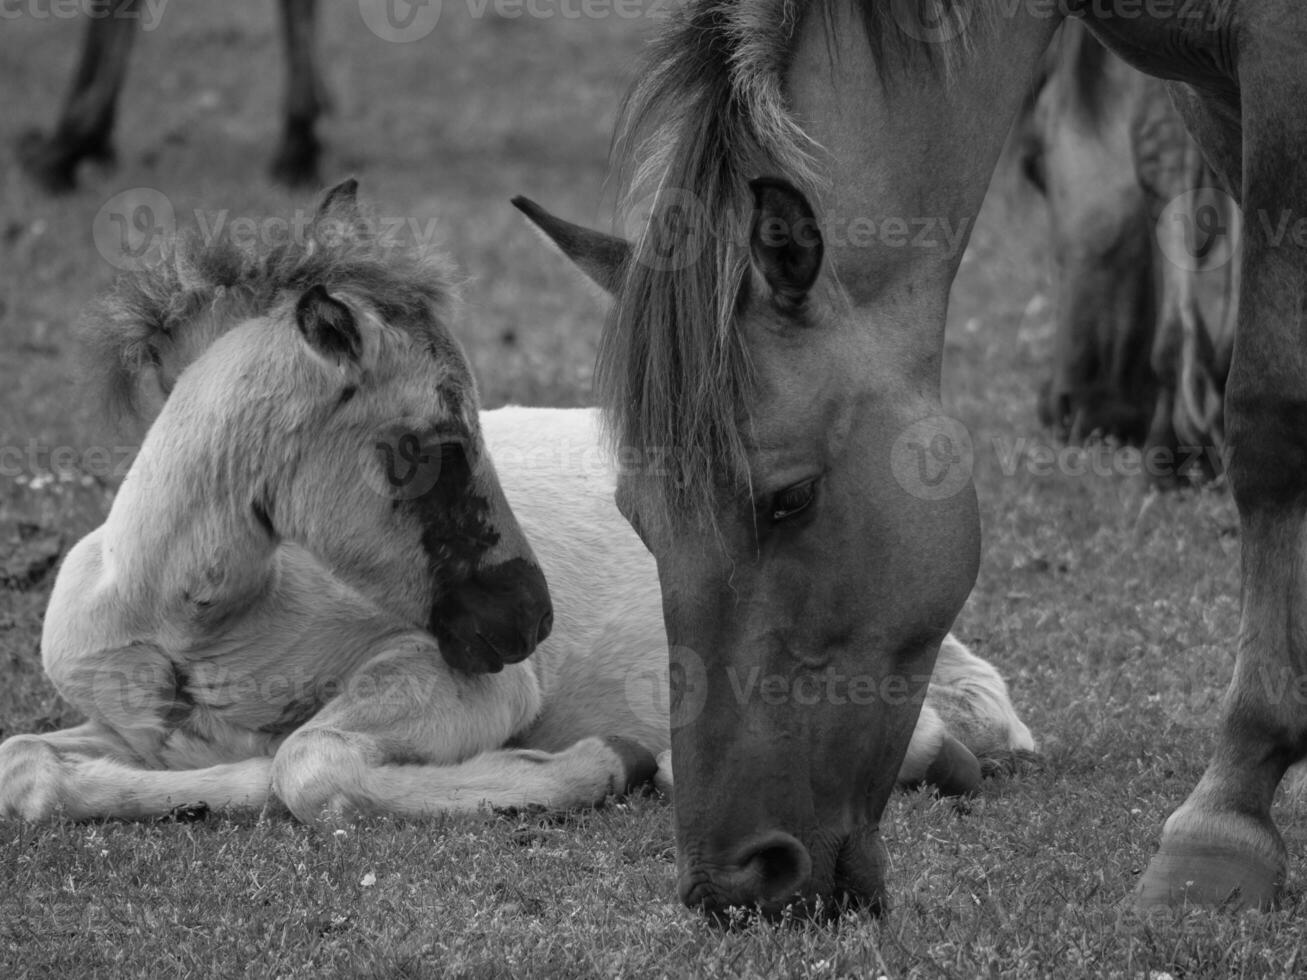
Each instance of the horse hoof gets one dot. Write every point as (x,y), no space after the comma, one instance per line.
(1180,875)
(47,164)
(638,763)
(1214,859)
(955,771)
(297,166)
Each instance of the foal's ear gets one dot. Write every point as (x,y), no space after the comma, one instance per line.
(601,257)
(341,201)
(784,240)
(329,326)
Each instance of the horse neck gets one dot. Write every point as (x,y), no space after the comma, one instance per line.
(187,518)
(907,159)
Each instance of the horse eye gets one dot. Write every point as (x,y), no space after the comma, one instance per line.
(793,500)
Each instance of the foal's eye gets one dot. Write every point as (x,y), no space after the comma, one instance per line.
(792,500)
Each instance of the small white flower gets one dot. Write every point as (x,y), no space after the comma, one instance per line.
(368,880)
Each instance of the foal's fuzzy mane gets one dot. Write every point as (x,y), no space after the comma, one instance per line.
(708,113)
(128,335)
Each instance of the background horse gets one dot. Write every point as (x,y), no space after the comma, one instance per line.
(85,127)
(1143,238)
(778,335)
(311,586)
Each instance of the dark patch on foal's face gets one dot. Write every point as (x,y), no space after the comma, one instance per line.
(456,521)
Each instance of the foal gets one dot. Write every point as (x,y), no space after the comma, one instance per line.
(311,588)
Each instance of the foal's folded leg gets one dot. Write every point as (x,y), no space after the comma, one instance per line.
(412,737)
(90,772)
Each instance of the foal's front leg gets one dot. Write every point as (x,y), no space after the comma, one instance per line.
(412,737)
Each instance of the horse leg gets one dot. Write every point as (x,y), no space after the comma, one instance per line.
(410,736)
(1221,844)
(296,162)
(86,125)
(90,772)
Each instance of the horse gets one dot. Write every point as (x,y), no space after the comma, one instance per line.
(803,178)
(1143,234)
(316,591)
(85,127)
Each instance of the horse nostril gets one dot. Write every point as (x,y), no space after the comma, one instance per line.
(545,626)
(774,868)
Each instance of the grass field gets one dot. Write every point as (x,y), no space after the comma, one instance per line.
(1109,608)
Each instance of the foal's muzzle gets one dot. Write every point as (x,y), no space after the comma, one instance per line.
(497,617)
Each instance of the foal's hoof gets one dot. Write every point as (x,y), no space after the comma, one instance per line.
(955,771)
(638,763)
(1224,861)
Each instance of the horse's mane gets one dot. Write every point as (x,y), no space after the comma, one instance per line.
(708,113)
(175,309)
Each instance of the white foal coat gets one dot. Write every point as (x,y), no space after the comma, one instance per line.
(303,690)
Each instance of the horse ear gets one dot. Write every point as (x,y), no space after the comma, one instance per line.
(341,202)
(329,326)
(601,257)
(785,241)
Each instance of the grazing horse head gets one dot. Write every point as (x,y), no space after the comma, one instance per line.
(316,385)
(1075,145)
(770,375)
(1143,235)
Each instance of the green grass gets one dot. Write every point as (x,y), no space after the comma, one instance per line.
(1110,609)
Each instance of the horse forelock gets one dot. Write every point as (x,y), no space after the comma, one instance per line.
(708,113)
(175,309)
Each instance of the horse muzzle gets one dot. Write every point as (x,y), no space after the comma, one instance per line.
(774,871)
(497,616)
